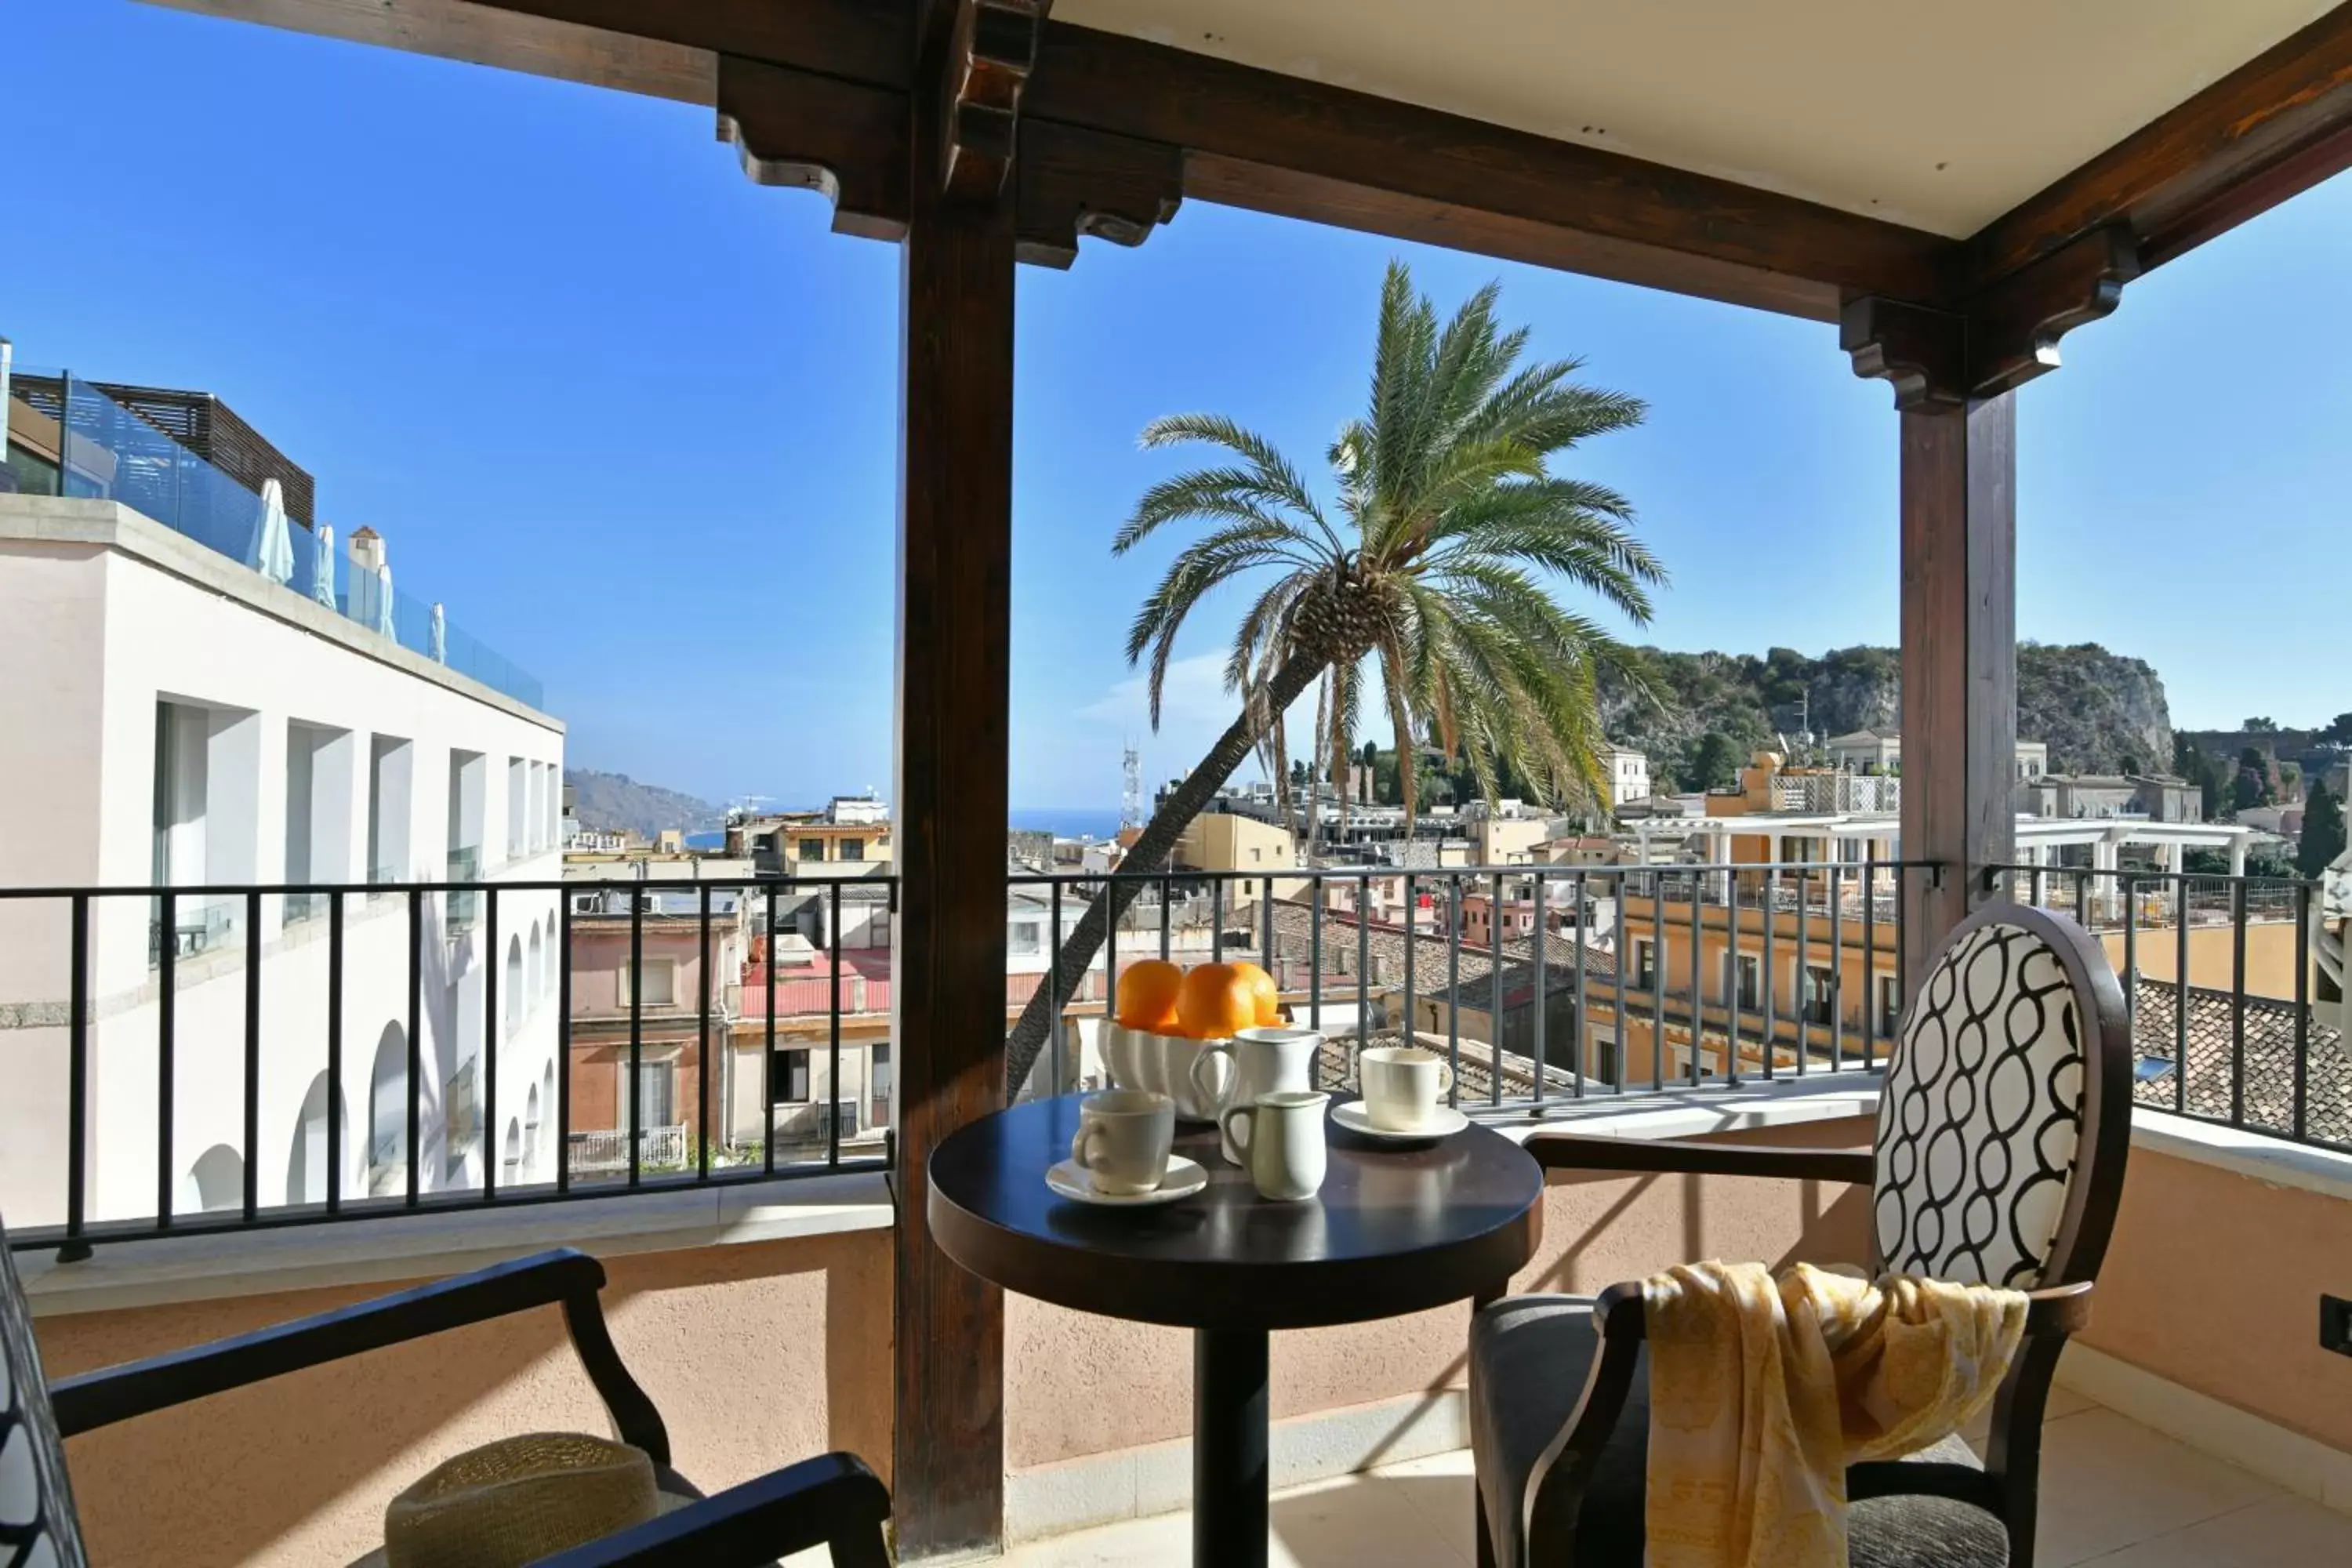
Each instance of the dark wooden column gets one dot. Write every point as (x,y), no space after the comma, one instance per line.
(955,543)
(1960,656)
(1955,372)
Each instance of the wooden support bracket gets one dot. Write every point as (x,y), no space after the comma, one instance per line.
(817,133)
(995,49)
(1998,339)
(1072,181)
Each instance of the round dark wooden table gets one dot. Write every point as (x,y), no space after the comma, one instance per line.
(1396,1229)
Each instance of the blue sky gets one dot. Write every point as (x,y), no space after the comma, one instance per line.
(632,417)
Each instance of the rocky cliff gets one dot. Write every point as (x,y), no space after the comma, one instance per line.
(2099,711)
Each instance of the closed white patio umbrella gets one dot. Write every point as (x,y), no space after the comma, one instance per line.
(383,601)
(323,568)
(440,649)
(272,554)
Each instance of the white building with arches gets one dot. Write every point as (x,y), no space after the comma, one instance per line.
(173,719)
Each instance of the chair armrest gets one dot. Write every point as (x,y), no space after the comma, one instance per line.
(562,1278)
(1562,1475)
(1575,1151)
(832,1500)
(2058,1309)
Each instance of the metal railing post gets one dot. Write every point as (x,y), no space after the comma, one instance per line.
(1363,971)
(1542,945)
(1837,966)
(1454,994)
(1054,1064)
(702,1031)
(637,1034)
(415,1152)
(832,1042)
(77,1076)
(1870,1019)
(167,1002)
(768,1052)
(2180,999)
(2302,1008)
(563,1042)
(1411,950)
(1731,1002)
(334,1055)
(494,1024)
(252,1132)
(2238,1001)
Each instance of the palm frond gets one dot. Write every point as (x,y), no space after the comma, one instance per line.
(1280,482)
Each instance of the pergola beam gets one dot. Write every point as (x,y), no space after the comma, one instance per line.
(2277,125)
(1304,149)
(1259,139)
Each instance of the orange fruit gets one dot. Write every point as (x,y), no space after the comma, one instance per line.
(1147,996)
(1268,995)
(1215,1002)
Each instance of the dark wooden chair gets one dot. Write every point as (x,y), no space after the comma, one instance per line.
(833,1500)
(2003,1124)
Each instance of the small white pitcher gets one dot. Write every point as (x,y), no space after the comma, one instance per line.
(1281,1139)
(1262,1061)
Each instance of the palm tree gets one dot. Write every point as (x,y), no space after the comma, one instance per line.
(1428,574)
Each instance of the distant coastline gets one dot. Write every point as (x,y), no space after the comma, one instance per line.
(1063,821)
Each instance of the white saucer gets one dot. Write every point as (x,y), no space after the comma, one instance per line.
(1069,1180)
(1443,1123)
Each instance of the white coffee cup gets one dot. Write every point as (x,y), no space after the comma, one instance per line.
(1123,1139)
(1402,1085)
(1280,1137)
(1260,1061)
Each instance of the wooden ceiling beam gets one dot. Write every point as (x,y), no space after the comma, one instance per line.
(1279,143)
(2277,125)
(1282,144)
(544,42)
(868,41)
(1262,140)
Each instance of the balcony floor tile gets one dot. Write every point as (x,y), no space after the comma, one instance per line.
(2114,1495)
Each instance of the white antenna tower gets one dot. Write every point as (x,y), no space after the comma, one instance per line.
(1130,802)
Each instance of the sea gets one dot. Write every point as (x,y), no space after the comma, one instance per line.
(1067,821)
(1063,821)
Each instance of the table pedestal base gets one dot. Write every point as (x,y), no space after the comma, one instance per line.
(1229,1439)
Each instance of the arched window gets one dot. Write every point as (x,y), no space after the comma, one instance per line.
(387,1155)
(217,1181)
(530,1133)
(306,1161)
(513,1171)
(513,981)
(534,963)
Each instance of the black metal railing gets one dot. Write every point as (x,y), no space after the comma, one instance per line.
(532,1041)
(1449,957)
(2218,975)
(672,1047)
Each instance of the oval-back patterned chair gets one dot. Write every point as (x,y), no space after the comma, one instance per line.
(2003,1124)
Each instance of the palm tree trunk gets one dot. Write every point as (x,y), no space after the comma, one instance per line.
(1150,852)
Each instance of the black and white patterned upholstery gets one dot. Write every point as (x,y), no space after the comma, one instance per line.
(37,1516)
(1981,1116)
